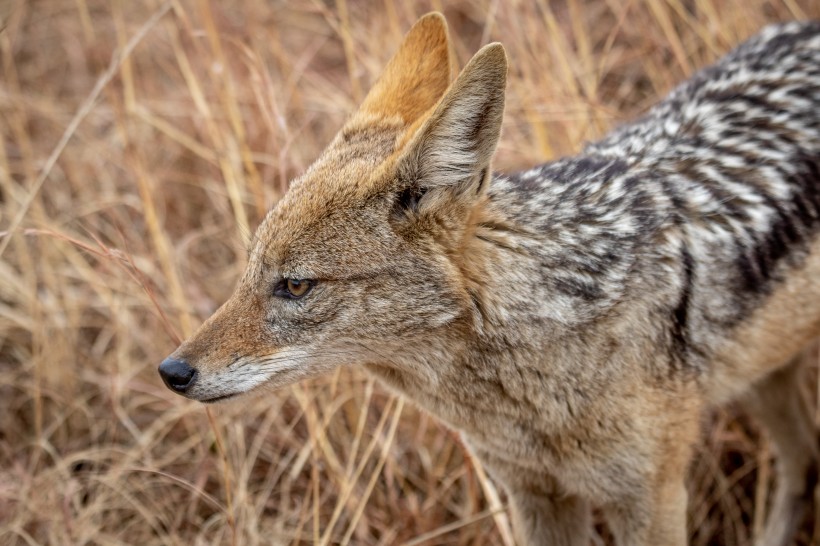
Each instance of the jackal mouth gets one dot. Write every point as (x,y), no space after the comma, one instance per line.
(220,398)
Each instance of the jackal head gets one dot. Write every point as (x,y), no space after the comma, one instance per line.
(361,261)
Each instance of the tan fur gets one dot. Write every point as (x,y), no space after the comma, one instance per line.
(417,76)
(428,282)
(774,335)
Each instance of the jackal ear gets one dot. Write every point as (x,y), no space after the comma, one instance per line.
(418,74)
(448,158)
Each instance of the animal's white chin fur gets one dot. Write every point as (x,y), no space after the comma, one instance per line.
(213,396)
(219,387)
(247,378)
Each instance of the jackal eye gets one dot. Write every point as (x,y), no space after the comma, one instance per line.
(293,288)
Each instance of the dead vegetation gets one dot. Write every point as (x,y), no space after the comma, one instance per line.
(141,142)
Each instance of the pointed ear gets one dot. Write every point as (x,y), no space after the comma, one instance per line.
(417,75)
(449,156)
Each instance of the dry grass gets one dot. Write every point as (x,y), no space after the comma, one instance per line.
(142,142)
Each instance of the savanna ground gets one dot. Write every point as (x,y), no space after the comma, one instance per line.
(141,142)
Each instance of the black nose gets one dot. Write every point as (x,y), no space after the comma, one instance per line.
(177,374)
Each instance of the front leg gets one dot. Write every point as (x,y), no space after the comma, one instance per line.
(653,512)
(656,519)
(545,516)
(542,513)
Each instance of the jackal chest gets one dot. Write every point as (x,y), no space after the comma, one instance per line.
(583,463)
(532,424)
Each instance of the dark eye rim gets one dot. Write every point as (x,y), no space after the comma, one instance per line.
(281,289)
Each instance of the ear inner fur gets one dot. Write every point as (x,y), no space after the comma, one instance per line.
(450,153)
(455,144)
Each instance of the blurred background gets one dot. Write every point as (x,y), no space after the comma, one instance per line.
(140,144)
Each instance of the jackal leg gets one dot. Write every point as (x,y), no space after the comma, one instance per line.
(777,403)
(541,516)
(653,512)
(646,522)
(656,519)
(542,513)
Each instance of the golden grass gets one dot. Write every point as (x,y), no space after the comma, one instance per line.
(143,141)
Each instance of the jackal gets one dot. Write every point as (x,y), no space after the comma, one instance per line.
(572,321)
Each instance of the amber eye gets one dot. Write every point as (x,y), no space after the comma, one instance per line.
(298,288)
(293,288)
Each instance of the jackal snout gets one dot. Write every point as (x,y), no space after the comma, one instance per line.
(227,355)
